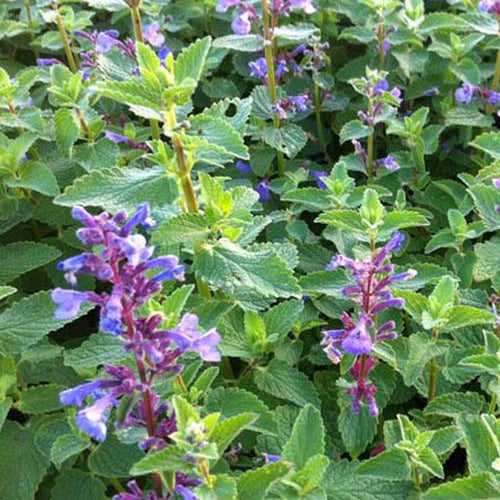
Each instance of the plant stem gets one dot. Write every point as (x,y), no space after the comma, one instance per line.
(319,122)
(190,201)
(67,46)
(155,130)
(83,123)
(370,146)
(136,21)
(185,178)
(432,372)
(117,485)
(271,76)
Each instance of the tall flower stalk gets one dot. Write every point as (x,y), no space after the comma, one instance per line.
(360,331)
(269,55)
(126,263)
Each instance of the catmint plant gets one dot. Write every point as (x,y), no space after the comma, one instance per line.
(361,333)
(126,262)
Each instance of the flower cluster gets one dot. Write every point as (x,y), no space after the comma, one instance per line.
(375,91)
(125,261)
(358,336)
(388,162)
(247,14)
(467,92)
(242,23)
(291,105)
(489,6)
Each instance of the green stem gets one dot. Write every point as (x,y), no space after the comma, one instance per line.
(155,130)
(136,21)
(369,152)
(319,122)
(117,485)
(493,404)
(185,178)
(370,146)
(181,384)
(416,476)
(271,75)
(191,203)
(432,372)
(67,46)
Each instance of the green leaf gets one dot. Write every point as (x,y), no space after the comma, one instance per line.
(343,483)
(254,485)
(289,139)
(22,466)
(330,283)
(35,176)
(96,155)
(348,220)
(5,291)
(228,266)
(120,188)
(490,363)
(170,459)
(67,130)
(113,458)
(467,117)
(95,351)
(480,447)
(391,465)
(286,382)
(477,487)
(354,130)
(182,229)
(41,399)
(357,430)
(307,438)
(23,256)
(463,316)
(220,132)
(429,461)
(28,321)
(487,260)
(232,401)
(77,485)
(488,142)
(454,403)
(191,60)
(227,430)
(486,201)
(224,488)
(67,446)
(241,43)
(279,320)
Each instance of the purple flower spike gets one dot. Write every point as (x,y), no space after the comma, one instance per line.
(79,394)
(496,182)
(105,42)
(152,34)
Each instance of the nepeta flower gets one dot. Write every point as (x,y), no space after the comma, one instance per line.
(242,23)
(188,338)
(123,139)
(125,261)
(389,163)
(152,34)
(44,62)
(358,336)
(496,182)
(243,167)
(489,6)
(293,104)
(465,93)
(318,175)
(263,190)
